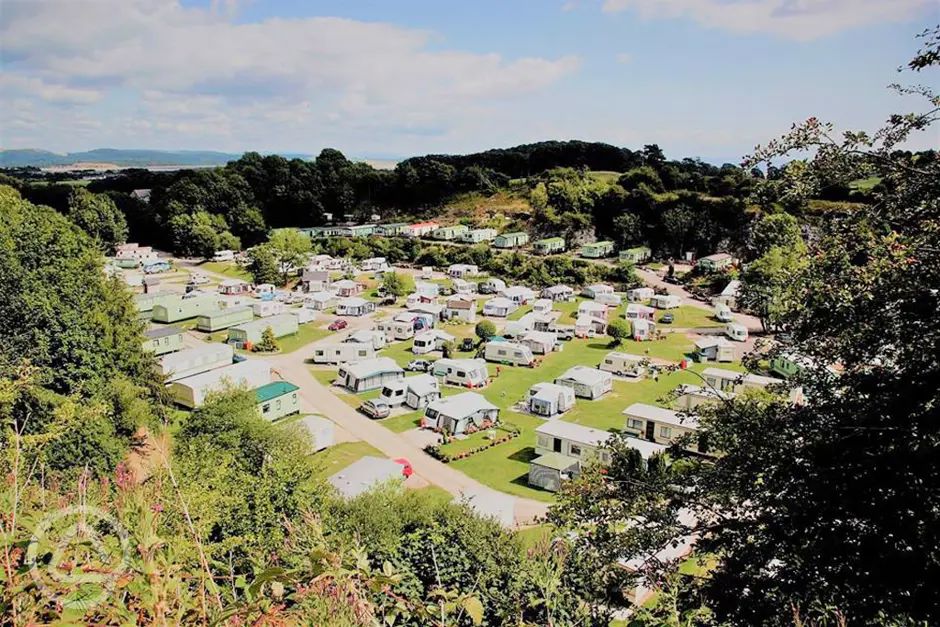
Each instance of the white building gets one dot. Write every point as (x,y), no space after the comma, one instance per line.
(587,382)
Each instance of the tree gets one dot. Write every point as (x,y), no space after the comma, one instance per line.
(395,284)
(268,343)
(77,329)
(779,230)
(262,265)
(768,286)
(290,248)
(485,329)
(618,329)
(824,506)
(194,235)
(98,216)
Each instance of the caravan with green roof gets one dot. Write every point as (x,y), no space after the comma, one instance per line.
(277,400)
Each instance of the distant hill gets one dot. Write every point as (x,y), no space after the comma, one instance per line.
(17,158)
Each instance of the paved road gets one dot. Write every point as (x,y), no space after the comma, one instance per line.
(320,399)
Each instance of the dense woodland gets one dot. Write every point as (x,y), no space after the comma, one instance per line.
(826,513)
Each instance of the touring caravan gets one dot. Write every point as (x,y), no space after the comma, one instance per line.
(469,373)
(623,364)
(737,332)
(342,353)
(508,353)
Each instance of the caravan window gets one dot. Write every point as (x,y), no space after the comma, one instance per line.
(575,450)
(636,423)
(266,408)
(665,432)
(461,374)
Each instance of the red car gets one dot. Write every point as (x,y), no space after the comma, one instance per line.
(336,325)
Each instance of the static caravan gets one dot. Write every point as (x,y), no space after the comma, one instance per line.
(224,255)
(558,293)
(430,341)
(146,302)
(539,342)
(374,264)
(665,301)
(191,392)
(587,326)
(636,255)
(303,315)
(593,309)
(462,286)
(508,353)
(642,330)
(715,263)
(587,382)
(416,299)
(640,294)
(192,361)
(397,329)
(476,236)
(320,301)
(342,353)
(354,307)
(162,340)
(660,425)
(183,308)
(277,400)
(462,309)
(219,319)
(251,332)
(450,233)
(597,250)
(492,286)
(461,270)
(728,296)
(421,391)
(713,348)
(157,266)
(593,291)
(511,240)
(518,294)
(370,374)
(346,288)
(736,331)
(468,373)
(732,381)
(549,400)
(425,288)
(374,338)
(636,311)
(390,230)
(315,280)
(562,447)
(457,414)
(611,300)
(421,229)
(267,308)
(549,246)
(234,287)
(320,430)
(542,305)
(689,396)
(624,364)
(499,307)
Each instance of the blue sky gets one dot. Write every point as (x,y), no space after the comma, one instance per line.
(706,78)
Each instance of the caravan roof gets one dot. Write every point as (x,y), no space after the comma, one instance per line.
(660,414)
(577,433)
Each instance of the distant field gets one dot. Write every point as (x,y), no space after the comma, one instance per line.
(226,268)
(865,185)
(605,176)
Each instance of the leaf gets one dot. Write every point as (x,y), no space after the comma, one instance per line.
(474,608)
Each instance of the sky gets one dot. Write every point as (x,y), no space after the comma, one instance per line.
(391,79)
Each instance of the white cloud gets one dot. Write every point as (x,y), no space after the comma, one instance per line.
(189,70)
(792,19)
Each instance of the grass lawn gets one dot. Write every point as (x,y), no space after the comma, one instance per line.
(227,268)
(307,333)
(517,314)
(335,458)
(688,317)
(459,445)
(401,353)
(530,536)
(325,377)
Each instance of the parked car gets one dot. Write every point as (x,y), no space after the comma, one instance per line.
(418,365)
(468,344)
(667,318)
(338,325)
(674,280)
(564,333)
(375,409)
